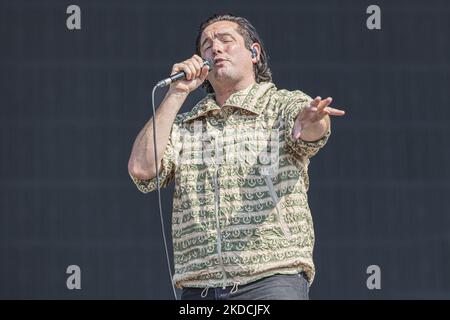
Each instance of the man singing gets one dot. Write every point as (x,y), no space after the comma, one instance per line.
(241,225)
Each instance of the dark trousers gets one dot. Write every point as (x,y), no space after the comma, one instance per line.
(276,287)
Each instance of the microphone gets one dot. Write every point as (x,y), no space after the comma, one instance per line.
(182,75)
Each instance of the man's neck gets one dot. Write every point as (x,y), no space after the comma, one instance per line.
(222,94)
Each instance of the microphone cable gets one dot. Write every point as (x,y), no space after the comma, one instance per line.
(159,192)
(160,84)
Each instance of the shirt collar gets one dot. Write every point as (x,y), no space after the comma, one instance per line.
(244,99)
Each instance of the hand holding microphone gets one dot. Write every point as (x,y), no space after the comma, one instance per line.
(187,75)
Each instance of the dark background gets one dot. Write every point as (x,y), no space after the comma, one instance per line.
(72,103)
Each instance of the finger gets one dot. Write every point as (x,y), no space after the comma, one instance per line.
(192,70)
(204,73)
(334,109)
(324,103)
(316,101)
(182,67)
(176,68)
(335,112)
(198,58)
(197,66)
(202,61)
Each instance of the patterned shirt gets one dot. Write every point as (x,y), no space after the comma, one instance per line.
(240,207)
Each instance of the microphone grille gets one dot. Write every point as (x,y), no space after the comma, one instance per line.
(209,63)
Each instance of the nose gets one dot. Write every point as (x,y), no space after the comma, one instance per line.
(216,47)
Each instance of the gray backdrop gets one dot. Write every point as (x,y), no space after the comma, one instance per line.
(72,103)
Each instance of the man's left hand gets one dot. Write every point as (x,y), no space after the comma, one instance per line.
(311,119)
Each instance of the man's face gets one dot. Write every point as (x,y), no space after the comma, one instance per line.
(222,43)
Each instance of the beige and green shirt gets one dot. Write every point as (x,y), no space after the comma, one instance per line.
(240,206)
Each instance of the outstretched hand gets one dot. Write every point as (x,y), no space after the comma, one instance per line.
(316,111)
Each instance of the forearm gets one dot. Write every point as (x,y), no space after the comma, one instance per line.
(316,130)
(142,159)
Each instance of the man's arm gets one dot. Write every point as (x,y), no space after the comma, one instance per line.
(142,159)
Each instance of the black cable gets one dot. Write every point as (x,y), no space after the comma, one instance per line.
(159,192)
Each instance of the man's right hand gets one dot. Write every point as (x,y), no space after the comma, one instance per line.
(195,75)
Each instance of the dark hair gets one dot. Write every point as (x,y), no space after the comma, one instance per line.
(248,32)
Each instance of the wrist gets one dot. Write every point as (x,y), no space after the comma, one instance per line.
(177,94)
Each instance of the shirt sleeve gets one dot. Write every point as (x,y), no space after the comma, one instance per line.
(300,148)
(166,168)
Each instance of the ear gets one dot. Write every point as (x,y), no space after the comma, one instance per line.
(256,47)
